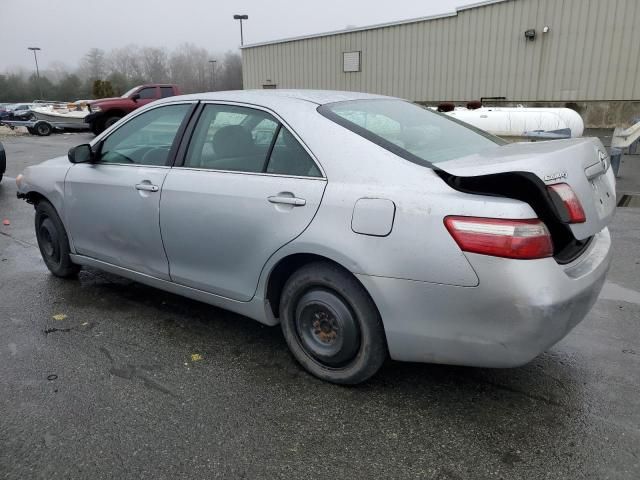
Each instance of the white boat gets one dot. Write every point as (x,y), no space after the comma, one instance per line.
(61,117)
(52,114)
(523,122)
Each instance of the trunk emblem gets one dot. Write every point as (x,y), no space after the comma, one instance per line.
(555,176)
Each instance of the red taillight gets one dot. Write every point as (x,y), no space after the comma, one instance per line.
(571,202)
(520,239)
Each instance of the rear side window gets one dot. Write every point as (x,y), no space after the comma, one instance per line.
(289,158)
(409,130)
(241,139)
(166,92)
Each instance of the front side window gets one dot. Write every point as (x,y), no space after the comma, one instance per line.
(242,139)
(409,130)
(129,93)
(147,93)
(146,139)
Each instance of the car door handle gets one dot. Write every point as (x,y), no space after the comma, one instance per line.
(147,187)
(295,201)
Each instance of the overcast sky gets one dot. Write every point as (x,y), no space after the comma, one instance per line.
(66,29)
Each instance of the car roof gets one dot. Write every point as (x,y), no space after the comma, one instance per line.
(271,97)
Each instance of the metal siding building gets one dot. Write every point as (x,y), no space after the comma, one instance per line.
(591,52)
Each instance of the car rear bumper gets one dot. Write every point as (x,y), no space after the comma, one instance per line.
(519,309)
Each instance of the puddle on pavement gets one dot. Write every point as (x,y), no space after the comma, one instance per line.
(629,201)
(612,291)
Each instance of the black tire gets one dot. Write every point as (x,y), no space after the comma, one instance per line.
(53,241)
(96,127)
(331,325)
(32,130)
(43,129)
(110,121)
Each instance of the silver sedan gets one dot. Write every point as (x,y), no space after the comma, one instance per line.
(366,226)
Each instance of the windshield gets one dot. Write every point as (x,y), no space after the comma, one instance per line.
(129,93)
(409,130)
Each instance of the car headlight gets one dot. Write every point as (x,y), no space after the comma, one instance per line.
(95,108)
(19,179)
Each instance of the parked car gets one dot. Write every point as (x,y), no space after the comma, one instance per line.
(17,111)
(107,111)
(3,161)
(363,224)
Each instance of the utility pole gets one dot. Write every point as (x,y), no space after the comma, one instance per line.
(241,17)
(213,74)
(35,56)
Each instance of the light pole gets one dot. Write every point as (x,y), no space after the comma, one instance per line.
(213,74)
(35,56)
(241,17)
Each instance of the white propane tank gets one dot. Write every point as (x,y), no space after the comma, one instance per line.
(517,121)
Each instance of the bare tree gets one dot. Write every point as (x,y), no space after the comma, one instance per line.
(155,64)
(188,66)
(231,75)
(127,61)
(56,71)
(93,65)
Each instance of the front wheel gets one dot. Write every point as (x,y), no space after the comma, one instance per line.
(331,325)
(110,121)
(96,127)
(53,241)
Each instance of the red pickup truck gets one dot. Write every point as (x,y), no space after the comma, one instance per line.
(107,111)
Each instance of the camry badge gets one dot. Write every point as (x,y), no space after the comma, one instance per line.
(555,176)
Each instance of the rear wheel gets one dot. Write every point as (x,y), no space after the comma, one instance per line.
(331,325)
(53,241)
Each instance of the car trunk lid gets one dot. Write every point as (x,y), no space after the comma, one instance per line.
(582,163)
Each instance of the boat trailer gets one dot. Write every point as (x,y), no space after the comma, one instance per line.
(43,128)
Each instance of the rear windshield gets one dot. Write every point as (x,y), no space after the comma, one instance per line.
(413,132)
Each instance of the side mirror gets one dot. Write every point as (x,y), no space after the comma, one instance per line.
(81,154)
(135,97)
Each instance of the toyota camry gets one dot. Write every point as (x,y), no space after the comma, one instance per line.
(366,226)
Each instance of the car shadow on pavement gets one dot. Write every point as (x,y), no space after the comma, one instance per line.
(552,378)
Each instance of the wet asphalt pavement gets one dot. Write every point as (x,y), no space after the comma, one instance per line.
(101,377)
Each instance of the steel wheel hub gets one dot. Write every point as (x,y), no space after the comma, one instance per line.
(326,328)
(48,240)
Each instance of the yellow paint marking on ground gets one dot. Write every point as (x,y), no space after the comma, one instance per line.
(196,357)
(59,316)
